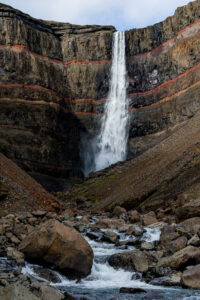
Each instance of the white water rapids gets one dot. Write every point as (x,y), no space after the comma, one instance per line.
(104,281)
(110,145)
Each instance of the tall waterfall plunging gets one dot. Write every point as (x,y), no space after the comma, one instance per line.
(110,146)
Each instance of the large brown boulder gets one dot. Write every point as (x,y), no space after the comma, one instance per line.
(133,261)
(191,277)
(181,259)
(59,245)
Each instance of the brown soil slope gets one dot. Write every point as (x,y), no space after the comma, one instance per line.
(20,192)
(158,177)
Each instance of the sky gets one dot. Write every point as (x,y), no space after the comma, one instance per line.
(123,14)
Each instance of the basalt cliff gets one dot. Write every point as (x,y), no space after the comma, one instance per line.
(54,80)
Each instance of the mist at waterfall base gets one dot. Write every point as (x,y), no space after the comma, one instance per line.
(110,144)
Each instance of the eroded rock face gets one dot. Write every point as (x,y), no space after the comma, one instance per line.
(59,245)
(55,79)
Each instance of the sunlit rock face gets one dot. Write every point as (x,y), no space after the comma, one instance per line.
(54,80)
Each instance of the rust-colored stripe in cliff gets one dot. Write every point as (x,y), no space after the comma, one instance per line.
(38,87)
(193,69)
(76,61)
(168,98)
(161,46)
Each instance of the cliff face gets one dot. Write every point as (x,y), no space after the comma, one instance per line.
(54,79)
(44,66)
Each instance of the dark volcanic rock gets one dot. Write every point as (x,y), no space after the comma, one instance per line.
(133,260)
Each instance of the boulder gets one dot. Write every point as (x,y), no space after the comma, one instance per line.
(118,211)
(50,293)
(12,253)
(181,259)
(110,237)
(16,292)
(189,210)
(147,246)
(94,235)
(149,220)
(135,230)
(168,234)
(191,222)
(176,245)
(110,223)
(194,241)
(191,277)
(133,261)
(47,274)
(134,216)
(61,246)
(171,280)
(158,225)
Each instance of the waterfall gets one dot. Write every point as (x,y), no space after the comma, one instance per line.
(111,143)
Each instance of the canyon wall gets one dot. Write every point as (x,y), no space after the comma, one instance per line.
(54,80)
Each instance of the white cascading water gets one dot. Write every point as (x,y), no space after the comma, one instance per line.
(111,143)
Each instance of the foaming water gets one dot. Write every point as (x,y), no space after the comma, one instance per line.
(104,281)
(151,234)
(110,146)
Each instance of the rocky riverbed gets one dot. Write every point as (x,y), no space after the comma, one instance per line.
(135,256)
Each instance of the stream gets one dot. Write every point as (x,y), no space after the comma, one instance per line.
(104,282)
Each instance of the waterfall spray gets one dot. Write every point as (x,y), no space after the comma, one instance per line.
(110,146)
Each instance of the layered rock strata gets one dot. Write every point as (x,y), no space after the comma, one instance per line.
(54,80)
